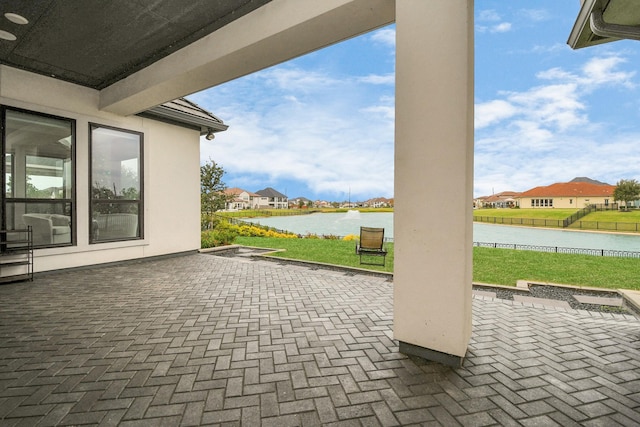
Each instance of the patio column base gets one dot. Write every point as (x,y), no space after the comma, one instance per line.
(431,355)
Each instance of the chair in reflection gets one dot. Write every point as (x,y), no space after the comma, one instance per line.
(49,229)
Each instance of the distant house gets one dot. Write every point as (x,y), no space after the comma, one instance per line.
(244,199)
(274,199)
(378,202)
(505,199)
(578,193)
(299,201)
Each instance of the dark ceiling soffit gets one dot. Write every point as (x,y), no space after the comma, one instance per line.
(171,116)
(197,35)
(119,68)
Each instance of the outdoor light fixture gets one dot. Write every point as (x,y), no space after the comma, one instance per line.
(16,19)
(602,21)
(210,134)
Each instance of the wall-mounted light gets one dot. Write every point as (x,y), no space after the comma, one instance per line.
(210,135)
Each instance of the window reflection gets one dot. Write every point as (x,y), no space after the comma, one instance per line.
(116,193)
(38,176)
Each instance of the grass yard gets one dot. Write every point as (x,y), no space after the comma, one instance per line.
(613,216)
(336,252)
(505,266)
(494,266)
(526,213)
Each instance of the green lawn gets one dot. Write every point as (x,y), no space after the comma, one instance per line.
(526,213)
(610,221)
(505,266)
(614,216)
(494,266)
(336,252)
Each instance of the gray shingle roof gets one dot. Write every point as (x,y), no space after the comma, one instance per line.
(183,112)
(271,193)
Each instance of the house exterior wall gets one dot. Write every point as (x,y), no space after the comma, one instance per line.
(171,158)
(563,202)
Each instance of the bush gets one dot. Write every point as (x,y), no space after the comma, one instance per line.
(223,234)
(350,237)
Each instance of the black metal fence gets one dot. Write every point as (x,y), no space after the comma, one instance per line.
(560,250)
(562,223)
(586,211)
(529,222)
(608,226)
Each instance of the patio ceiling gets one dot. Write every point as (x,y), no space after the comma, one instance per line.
(96,43)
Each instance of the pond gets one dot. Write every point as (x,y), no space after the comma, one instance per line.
(341,224)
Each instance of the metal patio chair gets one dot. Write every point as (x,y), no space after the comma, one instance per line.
(371,245)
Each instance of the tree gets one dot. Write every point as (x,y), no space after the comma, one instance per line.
(627,190)
(212,195)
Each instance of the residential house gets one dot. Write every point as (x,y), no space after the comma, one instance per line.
(274,199)
(578,193)
(378,202)
(243,199)
(299,202)
(505,199)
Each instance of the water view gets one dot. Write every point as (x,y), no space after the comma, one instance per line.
(341,224)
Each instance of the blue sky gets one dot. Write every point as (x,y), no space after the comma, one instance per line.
(321,126)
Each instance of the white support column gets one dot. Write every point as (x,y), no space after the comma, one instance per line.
(434,178)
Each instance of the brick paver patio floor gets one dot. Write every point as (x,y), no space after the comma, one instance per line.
(206,340)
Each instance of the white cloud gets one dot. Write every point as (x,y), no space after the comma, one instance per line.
(600,71)
(544,134)
(493,111)
(503,27)
(329,134)
(488,15)
(553,48)
(535,15)
(387,79)
(385,36)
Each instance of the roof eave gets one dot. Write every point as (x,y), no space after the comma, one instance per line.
(168,114)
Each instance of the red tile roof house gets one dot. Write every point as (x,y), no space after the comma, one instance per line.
(574,194)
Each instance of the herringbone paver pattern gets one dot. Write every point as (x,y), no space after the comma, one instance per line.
(205,340)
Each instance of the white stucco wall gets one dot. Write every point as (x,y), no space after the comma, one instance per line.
(171,157)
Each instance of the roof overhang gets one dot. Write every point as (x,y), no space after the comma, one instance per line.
(183,112)
(141,54)
(602,21)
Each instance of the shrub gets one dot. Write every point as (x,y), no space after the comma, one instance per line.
(222,234)
(217,237)
(350,237)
